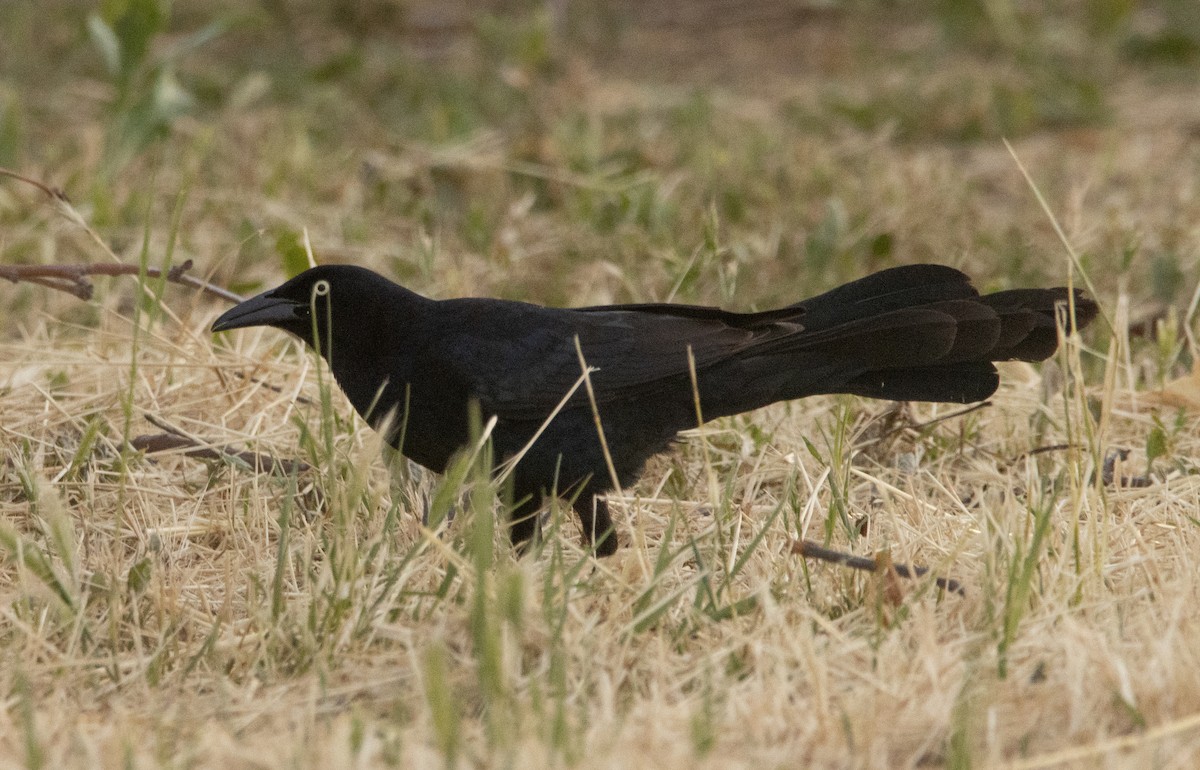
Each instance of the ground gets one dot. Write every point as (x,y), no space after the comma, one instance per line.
(209,561)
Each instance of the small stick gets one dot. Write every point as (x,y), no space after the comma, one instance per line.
(174,438)
(812,550)
(926,424)
(1043,450)
(305,400)
(54,193)
(61,202)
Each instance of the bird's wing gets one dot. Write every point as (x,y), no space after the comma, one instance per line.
(521,360)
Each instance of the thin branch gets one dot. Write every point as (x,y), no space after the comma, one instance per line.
(810,550)
(73,279)
(305,400)
(1042,450)
(54,193)
(917,426)
(174,438)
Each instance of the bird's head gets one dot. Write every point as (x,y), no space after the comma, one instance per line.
(324,303)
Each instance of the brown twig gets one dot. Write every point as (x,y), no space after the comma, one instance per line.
(54,193)
(305,400)
(63,204)
(1041,450)
(73,279)
(916,426)
(959,413)
(810,550)
(174,438)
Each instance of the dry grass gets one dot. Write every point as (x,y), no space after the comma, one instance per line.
(164,610)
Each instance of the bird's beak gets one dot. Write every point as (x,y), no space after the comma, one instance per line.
(263,310)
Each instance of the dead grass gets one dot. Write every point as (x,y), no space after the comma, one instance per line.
(163,610)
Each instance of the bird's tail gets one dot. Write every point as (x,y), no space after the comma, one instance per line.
(914,333)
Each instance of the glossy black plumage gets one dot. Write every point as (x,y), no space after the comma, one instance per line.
(919,332)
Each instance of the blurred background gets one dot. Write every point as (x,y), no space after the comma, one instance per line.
(747,153)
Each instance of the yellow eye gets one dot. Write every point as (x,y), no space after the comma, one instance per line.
(321,288)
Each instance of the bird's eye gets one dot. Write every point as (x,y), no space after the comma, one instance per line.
(321,288)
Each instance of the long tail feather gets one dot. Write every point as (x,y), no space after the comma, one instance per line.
(919,333)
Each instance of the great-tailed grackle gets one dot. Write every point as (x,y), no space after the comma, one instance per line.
(918,333)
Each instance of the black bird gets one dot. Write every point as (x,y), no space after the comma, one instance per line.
(919,333)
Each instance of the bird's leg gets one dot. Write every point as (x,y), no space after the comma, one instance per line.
(598,530)
(523,524)
(598,533)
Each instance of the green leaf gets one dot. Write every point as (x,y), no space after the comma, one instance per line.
(10,130)
(442,705)
(106,43)
(1156,444)
(812,450)
(882,245)
(292,254)
(139,576)
(195,40)
(24,553)
(140,21)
